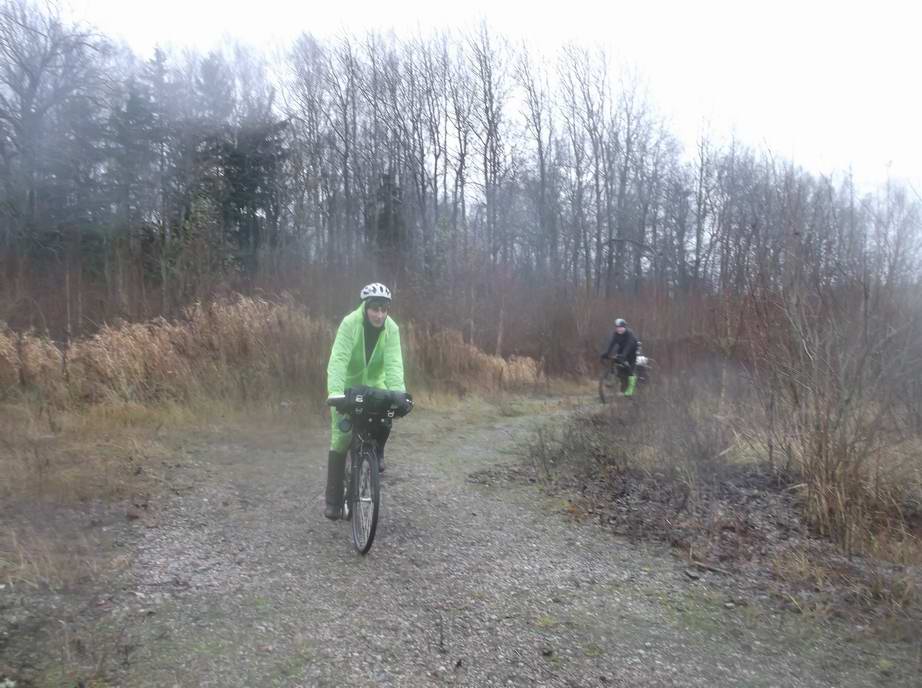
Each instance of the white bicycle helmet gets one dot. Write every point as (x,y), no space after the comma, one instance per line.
(375,290)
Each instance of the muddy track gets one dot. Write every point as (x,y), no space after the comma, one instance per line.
(238,581)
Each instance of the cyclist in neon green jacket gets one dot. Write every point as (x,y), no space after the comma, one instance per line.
(366,351)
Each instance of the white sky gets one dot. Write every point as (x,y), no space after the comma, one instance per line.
(829,84)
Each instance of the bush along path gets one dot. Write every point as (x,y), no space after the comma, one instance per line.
(237,579)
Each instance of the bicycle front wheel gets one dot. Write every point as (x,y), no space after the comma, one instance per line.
(608,386)
(366,499)
(348,501)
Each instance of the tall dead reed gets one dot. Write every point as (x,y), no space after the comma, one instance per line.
(240,349)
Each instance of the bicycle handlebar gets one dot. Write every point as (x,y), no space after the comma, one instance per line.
(372,400)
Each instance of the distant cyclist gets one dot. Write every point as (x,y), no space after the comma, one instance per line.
(366,352)
(623,349)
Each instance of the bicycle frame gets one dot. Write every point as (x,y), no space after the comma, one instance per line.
(363,442)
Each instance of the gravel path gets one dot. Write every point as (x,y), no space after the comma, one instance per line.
(241,582)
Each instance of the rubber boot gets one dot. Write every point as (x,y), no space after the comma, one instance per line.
(631,384)
(336,471)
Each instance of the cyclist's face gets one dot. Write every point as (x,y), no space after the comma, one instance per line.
(620,329)
(377,313)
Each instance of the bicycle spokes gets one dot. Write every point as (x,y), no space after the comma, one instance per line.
(364,503)
(347,491)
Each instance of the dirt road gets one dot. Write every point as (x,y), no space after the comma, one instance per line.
(237,580)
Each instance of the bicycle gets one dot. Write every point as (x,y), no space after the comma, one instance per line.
(363,408)
(614,380)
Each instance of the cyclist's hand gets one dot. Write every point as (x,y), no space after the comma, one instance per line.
(619,359)
(338,401)
(405,406)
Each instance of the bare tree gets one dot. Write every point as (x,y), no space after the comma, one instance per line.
(540,125)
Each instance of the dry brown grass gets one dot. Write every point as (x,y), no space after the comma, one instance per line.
(683,464)
(9,359)
(29,557)
(869,504)
(815,582)
(104,452)
(240,350)
(242,360)
(852,494)
(443,360)
(81,460)
(248,349)
(30,364)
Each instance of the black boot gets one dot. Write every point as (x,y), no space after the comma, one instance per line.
(383,433)
(336,471)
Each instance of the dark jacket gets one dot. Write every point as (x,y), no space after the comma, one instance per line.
(623,346)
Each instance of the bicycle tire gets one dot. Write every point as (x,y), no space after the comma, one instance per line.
(346,511)
(608,386)
(643,375)
(366,499)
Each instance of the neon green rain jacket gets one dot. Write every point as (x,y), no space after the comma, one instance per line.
(347,366)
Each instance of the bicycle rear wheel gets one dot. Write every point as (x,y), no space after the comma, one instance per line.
(608,386)
(643,375)
(366,499)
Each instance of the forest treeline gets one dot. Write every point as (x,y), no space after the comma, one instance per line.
(488,183)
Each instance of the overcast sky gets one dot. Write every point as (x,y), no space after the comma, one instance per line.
(827,84)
